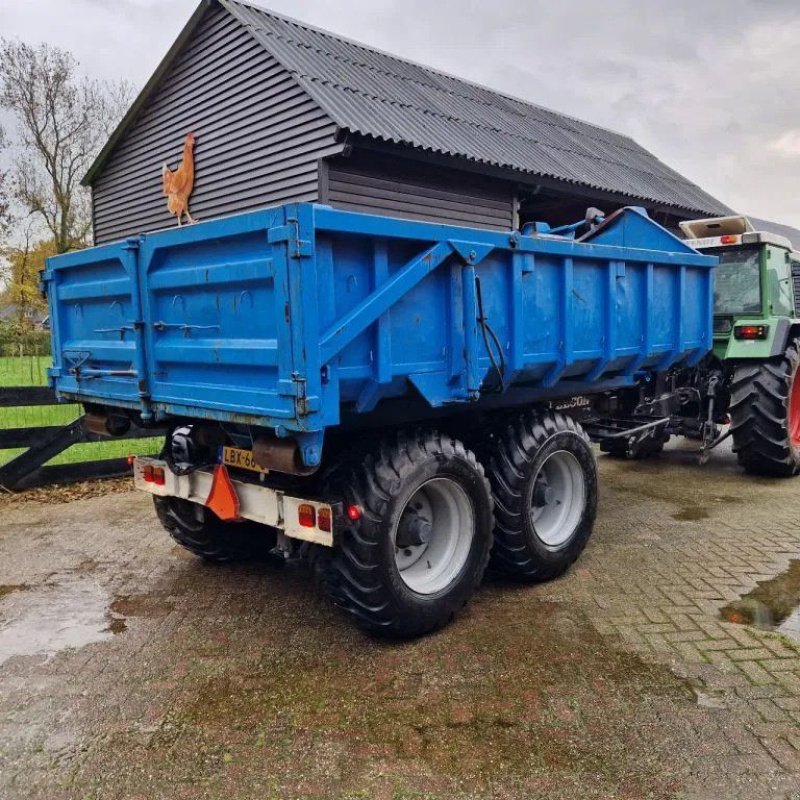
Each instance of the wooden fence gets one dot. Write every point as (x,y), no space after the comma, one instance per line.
(44,442)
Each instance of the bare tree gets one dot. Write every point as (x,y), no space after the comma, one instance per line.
(63,119)
(5,200)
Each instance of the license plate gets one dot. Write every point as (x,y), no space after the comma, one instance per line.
(243,459)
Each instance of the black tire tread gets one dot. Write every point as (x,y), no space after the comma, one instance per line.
(759,415)
(212,539)
(350,576)
(506,452)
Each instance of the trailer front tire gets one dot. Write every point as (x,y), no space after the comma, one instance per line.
(421,545)
(201,532)
(544,478)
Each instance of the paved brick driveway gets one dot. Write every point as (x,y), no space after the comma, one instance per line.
(130,670)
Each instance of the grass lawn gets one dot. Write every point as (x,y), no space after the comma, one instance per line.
(24,370)
(32,371)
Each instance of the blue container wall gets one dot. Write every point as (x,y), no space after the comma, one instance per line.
(283,316)
(570,316)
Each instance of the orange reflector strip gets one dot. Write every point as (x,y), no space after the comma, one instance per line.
(307,516)
(325,520)
(222,499)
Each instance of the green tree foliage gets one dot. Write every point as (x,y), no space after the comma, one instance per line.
(21,280)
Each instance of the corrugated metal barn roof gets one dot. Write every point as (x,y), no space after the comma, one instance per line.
(378,95)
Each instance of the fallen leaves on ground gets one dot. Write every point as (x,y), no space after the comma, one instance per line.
(66,493)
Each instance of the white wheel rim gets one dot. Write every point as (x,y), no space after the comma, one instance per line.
(430,567)
(558,498)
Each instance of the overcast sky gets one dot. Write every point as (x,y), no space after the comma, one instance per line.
(712,87)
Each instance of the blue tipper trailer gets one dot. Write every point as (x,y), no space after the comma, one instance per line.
(376,394)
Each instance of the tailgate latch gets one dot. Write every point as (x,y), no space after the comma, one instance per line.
(290,233)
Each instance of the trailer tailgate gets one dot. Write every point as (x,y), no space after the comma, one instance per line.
(200,314)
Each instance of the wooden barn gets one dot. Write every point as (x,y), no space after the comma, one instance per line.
(283,111)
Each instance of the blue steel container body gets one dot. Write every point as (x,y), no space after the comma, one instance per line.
(284,316)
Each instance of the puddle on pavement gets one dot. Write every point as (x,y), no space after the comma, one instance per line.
(772,605)
(51,618)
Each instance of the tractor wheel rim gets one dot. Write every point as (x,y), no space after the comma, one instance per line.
(431,567)
(794,409)
(558,498)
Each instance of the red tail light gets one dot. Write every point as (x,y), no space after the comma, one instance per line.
(325,520)
(147,473)
(307,516)
(729,239)
(353,513)
(159,478)
(750,331)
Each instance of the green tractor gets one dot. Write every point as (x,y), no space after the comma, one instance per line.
(750,378)
(756,349)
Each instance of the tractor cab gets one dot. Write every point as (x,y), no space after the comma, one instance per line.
(756,286)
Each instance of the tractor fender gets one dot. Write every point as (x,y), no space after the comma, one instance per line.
(785,331)
(793,332)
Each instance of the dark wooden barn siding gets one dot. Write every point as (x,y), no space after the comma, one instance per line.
(402,188)
(259,136)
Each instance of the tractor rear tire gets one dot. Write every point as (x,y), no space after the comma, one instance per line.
(544,479)
(420,547)
(765,415)
(203,533)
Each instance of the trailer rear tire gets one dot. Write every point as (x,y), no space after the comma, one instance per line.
(544,478)
(765,415)
(421,545)
(201,532)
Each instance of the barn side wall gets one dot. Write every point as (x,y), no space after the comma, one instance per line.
(404,188)
(260,138)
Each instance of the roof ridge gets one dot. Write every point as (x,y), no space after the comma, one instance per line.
(425,67)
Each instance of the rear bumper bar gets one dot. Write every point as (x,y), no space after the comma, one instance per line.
(256,502)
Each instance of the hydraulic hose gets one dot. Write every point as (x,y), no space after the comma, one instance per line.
(498,363)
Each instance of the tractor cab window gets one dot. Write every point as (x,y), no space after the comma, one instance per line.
(737,281)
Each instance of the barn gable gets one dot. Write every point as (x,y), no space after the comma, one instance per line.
(259,135)
(284,111)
